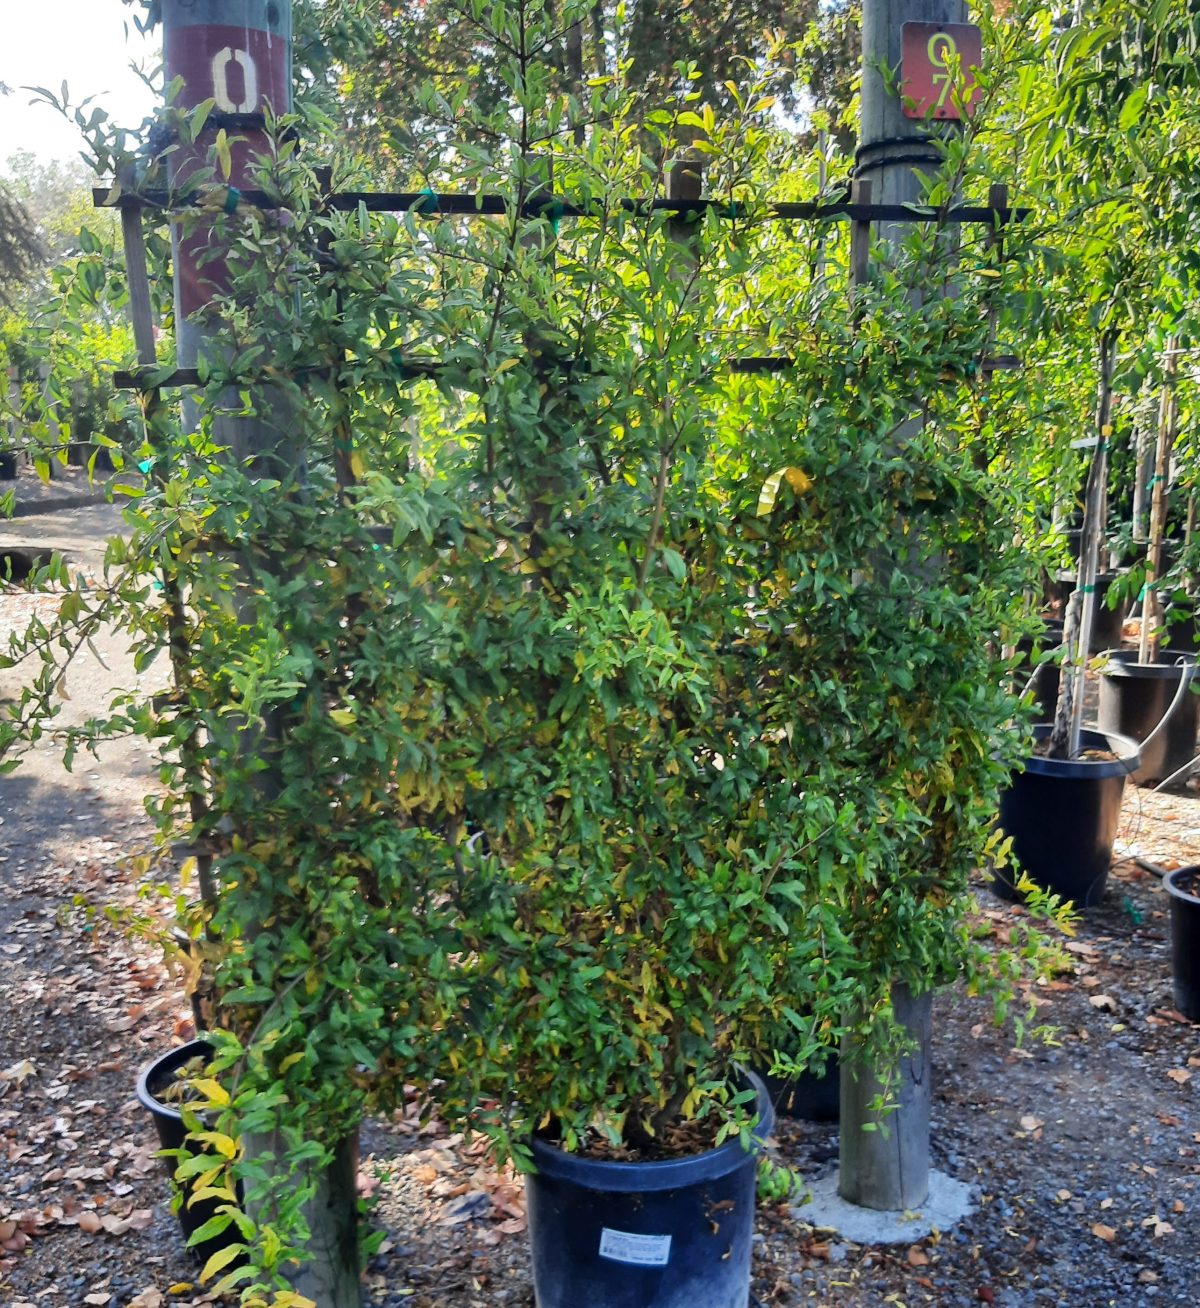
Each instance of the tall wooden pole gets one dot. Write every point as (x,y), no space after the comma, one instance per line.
(1168,424)
(238,54)
(884,1161)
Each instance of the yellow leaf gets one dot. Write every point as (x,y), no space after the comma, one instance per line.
(222,1258)
(357,466)
(225,1145)
(796,478)
(988,272)
(343,717)
(212,1091)
(505,366)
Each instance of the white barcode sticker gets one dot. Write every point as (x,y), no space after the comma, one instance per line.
(641,1250)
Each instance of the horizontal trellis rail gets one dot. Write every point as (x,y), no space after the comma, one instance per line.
(148,380)
(434,204)
(429,203)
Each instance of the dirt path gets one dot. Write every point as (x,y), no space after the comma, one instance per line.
(1085,1153)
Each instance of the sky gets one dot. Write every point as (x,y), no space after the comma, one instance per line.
(84,42)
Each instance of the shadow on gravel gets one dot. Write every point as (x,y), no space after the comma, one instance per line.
(47,814)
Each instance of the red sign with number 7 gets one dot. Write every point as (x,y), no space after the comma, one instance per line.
(938,63)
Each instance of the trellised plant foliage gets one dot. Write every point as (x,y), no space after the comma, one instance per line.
(573,717)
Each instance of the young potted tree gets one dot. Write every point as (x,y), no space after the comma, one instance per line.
(1144,695)
(1062,811)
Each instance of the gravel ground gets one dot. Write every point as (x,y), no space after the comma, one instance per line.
(1085,1153)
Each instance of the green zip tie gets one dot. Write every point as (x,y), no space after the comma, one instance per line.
(1087,590)
(232,196)
(428,202)
(554,212)
(1153,479)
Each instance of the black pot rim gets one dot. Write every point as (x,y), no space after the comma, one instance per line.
(613,1177)
(1128,758)
(171,1059)
(1124,663)
(1176,891)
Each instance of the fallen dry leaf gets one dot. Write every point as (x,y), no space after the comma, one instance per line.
(917,1257)
(1031,1123)
(1103,1232)
(1180,1075)
(1105,1003)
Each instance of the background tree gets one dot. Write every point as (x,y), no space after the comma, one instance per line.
(384,49)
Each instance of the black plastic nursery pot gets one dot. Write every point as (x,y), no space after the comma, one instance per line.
(669,1234)
(1183,885)
(1045,684)
(809,1097)
(1107,624)
(1181,630)
(1062,816)
(8,465)
(1135,697)
(172,1134)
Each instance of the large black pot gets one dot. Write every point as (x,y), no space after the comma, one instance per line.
(1181,630)
(8,465)
(670,1234)
(809,1097)
(1107,624)
(1062,817)
(1183,885)
(172,1134)
(1135,697)
(1045,684)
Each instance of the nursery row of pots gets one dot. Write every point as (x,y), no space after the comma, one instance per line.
(1062,814)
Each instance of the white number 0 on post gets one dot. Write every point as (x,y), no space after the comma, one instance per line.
(220,67)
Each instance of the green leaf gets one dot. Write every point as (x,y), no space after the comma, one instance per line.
(1131,110)
(675,564)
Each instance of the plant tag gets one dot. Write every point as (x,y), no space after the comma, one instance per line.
(640,1250)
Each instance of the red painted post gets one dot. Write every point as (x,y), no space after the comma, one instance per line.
(237,54)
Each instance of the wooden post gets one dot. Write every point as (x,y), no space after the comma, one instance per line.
(888,1168)
(137,281)
(1077,629)
(1168,423)
(884,1161)
(238,54)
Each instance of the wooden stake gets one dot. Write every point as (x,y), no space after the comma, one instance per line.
(1168,424)
(191,755)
